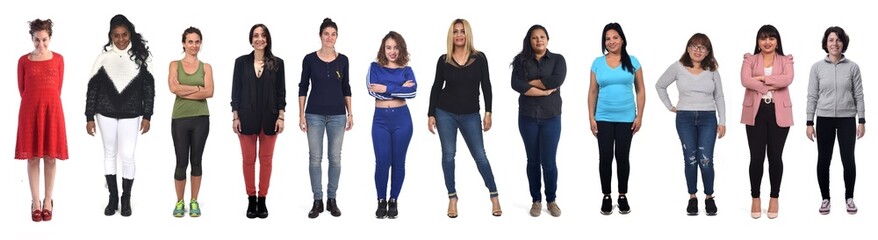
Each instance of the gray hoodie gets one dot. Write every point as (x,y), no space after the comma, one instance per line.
(835,90)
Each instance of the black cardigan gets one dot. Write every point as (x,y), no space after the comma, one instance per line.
(136,99)
(258,100)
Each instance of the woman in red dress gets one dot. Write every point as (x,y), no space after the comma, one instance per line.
(41,132)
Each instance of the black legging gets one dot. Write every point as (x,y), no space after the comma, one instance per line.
(189,135)
(827,128)
(764,135)
(614,135)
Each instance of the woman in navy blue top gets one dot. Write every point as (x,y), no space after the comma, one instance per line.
(390,82)
(327,72)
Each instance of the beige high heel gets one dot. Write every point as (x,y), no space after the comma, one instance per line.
(772,208)
(757,205)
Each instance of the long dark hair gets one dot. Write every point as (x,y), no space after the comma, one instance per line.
(768,31)
(520,61)
(139,52)
(269,58)
(626,59)
(709,62)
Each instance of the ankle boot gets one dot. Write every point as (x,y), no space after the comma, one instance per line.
(391,208)
(260,205)
(332,207)
(251,207)
(113,203)
(382,209)
(126,197)
(316,209)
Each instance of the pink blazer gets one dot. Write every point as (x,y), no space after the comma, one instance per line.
(781,77)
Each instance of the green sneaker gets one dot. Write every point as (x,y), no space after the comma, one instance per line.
(179,209)
(194,209)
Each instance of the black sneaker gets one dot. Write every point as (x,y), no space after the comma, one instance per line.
(382,209)
(392,210)
(692,209)
(607,205)
(623,205)
(710,206)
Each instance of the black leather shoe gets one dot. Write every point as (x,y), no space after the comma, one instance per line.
(332,207)
(262,211)
(316,209)
(252,207)
(382,209)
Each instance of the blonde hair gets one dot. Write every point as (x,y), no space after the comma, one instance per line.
(468,46)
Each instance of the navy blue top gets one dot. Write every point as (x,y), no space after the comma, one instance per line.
(331,84)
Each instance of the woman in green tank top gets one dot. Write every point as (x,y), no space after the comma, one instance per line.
(192,81)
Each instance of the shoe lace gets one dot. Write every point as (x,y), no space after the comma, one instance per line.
(825,203)
(850,203)
(194,205)
(179,206)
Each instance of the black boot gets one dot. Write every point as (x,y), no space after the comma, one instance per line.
(316,209)
(113,187)
(262,210)
(252,207)
(391,208)
(382,209)
(126,197)
(332,207)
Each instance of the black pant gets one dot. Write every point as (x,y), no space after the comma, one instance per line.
(189,135)
(614,135)
(764,135)
(827,128)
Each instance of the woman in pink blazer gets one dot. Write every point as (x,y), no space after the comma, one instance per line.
(767,112)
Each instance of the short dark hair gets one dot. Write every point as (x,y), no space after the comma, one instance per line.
(46,25)
(842,36)
(327,22)
(191,30)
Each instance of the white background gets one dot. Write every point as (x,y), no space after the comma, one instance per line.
(656,32)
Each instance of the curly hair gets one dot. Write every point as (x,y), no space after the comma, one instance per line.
(139,52)
(40,25)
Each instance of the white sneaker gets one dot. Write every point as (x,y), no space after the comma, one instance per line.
(824,207)
(852,208)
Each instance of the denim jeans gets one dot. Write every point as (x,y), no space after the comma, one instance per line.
(470,126)
(541,138)
(697,131)
(334,127)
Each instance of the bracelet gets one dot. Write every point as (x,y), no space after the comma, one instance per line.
(234,119)
(280,118)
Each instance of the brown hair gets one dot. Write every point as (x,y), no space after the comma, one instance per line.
(403,58)
(709,62)
(40,25)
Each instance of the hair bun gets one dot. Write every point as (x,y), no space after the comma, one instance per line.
(327,20)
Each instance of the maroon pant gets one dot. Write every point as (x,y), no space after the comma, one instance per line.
(266,153)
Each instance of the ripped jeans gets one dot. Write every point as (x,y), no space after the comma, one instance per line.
(697,131)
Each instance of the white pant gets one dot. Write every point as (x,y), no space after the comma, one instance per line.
(120,138)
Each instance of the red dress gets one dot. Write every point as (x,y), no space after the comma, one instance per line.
(41,131)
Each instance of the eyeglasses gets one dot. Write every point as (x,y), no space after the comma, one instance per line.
(698,48)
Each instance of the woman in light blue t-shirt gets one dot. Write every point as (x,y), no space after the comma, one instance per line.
(612,116)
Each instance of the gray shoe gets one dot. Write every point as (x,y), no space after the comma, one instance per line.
(852,208)
(535,209)
(824,207)
(554,209)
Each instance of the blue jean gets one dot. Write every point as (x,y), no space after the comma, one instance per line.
(541,138)
(697,131)
(391,135)
(333,126)
(470,126)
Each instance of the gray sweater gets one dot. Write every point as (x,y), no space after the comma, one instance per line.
(702,92)
(835,90)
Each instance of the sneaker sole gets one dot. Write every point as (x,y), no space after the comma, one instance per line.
(692,214)
(824,212)
(852,212)
(711,214)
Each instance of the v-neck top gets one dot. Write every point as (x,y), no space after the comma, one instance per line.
(697,92)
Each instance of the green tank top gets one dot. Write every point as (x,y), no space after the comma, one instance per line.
(188,107)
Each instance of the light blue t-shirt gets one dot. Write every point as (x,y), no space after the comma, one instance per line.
(616,91)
